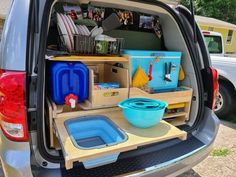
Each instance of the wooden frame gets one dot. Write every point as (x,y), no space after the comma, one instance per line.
(136,136)
(103,98)
(172,98)
(176,119)
(90,58)
(109,97)
(97,100)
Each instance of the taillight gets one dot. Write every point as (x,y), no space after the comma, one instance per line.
(206,33)
(215,86)
(12,105)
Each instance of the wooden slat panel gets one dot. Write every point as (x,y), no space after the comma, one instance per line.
(169,97)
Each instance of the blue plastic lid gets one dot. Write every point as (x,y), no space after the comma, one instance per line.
(144,104)
(153,53)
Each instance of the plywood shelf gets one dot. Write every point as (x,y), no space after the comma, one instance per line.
(181,97)
(177,121)
(90,58)
(173,115)
(174,97)
(136,136)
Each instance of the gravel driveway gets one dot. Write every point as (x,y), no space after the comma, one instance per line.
(219,166)
(216,166)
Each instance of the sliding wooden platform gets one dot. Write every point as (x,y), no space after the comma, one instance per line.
(136,136)
(172,98)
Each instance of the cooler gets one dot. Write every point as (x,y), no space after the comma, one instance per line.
(165,67)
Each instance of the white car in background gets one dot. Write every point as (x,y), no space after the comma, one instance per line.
(226,66)
(24,131)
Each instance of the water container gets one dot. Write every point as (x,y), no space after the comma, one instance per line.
(69,82)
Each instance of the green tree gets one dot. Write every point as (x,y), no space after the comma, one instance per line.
(223,10)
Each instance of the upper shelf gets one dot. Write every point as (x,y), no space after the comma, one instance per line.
(89,58)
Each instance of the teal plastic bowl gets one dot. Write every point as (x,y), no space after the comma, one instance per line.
(143,112)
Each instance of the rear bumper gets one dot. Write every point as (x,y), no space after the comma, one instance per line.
(160,161)
(171,168)
(206,133)
(154,163)
(175,168)
(15,157)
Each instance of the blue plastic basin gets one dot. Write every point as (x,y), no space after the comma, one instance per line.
(143,112)
(91,132)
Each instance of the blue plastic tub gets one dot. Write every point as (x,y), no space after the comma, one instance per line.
(159,59)
(91,132)
(68,78)
(143,112)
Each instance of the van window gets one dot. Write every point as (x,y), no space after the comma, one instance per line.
(230,36)
(214,43)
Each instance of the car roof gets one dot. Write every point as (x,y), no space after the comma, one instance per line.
(211,33)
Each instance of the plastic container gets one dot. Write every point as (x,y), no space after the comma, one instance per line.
(69,82)
(162,63)
(92,132)
(88,45)
(143,112)
(105,86)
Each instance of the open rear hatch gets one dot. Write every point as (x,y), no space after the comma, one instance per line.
(88,77)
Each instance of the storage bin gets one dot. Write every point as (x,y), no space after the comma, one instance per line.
(84,44)
(93,132)
(68,79)
(87,45)
(108,97)
(162,64)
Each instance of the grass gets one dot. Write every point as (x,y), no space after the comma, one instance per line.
(231,118)
(223,152)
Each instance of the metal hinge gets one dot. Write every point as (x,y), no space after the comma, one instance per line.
(205,96)
(32,88)
(33,79)
(30,110)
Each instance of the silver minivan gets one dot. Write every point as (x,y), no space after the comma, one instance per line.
(32,141)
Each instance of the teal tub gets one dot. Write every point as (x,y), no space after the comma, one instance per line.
(143,112)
